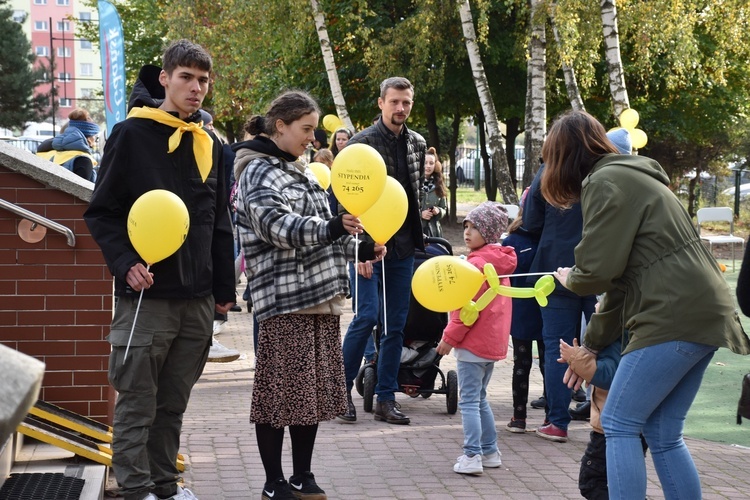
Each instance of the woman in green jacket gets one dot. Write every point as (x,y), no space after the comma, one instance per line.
(639,240)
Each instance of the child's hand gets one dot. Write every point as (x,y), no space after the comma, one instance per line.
(443,348)
(567,351)
(572,380)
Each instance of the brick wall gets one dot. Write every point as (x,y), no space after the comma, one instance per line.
(56,300)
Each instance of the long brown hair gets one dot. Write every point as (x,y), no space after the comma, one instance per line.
(575,142)
(437,174)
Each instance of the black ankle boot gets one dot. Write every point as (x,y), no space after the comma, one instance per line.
(351,411)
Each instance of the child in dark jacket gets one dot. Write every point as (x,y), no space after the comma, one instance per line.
(483,343)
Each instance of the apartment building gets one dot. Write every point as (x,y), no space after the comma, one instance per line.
(50,25)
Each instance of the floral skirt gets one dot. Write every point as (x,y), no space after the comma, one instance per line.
(299,371)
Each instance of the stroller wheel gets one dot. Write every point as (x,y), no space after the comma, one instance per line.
(359,380)
(368,386)
(452,386)
(426,394)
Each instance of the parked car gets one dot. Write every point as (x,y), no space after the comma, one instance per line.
(744,191)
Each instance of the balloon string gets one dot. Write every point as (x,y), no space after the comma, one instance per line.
(356,276)
(135,318)
(385,304)
(524,274)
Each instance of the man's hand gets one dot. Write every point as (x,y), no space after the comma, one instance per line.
(365,269)
(139,278)
(224,307)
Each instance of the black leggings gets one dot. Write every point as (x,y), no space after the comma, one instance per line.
(522,363)
(270,441)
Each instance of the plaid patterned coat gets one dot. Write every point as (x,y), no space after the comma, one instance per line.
(283,213)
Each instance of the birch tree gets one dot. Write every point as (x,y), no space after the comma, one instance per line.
(499,160)
(571,85)
(615,71)
(330,63)
(536,99)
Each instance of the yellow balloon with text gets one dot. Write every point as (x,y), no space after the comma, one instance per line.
(322,174)
(158,224)
(638,138)
(332,122)
(358,177)
(387,214)
(445,283)
(629,119)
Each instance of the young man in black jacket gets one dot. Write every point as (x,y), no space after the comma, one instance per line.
(172,333)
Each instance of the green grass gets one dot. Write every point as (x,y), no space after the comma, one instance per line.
(467,194)
(713,414)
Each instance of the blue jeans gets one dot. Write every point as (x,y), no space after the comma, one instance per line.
(651,393)
(561,319)
(480,435)
(398,274)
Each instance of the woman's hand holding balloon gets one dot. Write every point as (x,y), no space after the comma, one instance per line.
(352,224)
(562,275)
(380,252)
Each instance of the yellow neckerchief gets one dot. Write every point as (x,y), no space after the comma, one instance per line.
(61,157)
(202,142)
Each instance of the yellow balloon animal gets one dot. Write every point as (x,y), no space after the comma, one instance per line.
(542,288)
(358,177)
(387,214)
(322,174)
(445,283)
(158,224)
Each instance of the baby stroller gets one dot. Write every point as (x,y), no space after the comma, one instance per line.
(420,362)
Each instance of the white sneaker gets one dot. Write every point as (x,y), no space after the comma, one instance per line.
(492,460)
(468,465)
(218,326)
(183,494)
(221,354)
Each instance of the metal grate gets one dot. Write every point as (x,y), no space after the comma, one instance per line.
(39,486)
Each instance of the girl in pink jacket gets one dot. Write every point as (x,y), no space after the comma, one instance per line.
(480,345)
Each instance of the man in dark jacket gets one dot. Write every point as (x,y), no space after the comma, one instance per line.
(171,335)
(403,151)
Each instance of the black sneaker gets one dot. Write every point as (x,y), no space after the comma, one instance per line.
(277,490)
(304,486)
(539,403)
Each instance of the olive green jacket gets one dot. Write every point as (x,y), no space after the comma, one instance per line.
(640,243)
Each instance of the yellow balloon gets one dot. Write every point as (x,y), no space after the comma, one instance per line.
(638,138)
(387,214)
(322,173)
(542,288)
(332,122)
(629,119)
(358,177)
(158,224)
(445,283)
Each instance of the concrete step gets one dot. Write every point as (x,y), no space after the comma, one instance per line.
(36,457)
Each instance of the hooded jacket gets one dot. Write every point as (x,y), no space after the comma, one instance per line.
(71,150)
(294,263)
(640,243)
(135,161)
(488,336)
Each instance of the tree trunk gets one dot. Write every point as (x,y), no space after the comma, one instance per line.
(536,99)
(615,70)
(333,77)
(499,161)
(433,136)
(511,133)
(455,125)
(490,182)
(571,85)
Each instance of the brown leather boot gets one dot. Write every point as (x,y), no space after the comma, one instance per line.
(389,411)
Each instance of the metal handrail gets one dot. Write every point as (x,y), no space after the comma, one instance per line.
(40,220)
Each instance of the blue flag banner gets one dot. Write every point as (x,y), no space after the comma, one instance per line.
(113,63)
